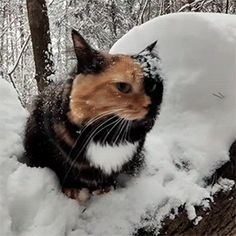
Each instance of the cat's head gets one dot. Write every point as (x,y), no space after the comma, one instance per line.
(128,87)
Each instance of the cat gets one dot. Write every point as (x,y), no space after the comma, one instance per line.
(91,128)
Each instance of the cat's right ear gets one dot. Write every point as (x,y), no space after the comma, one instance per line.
(87,57)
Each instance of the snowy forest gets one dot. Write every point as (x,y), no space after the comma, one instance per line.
(50,23)
(186,185)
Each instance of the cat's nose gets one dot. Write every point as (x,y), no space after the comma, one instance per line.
(146,102)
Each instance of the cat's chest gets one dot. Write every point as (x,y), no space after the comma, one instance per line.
(110,158)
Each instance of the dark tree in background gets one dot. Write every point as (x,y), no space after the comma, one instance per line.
(41,41)
(100,22)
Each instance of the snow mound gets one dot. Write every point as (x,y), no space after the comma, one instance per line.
(198,61)
(190,140)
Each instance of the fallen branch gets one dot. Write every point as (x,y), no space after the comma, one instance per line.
(218,220)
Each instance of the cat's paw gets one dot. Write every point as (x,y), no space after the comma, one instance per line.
(80,195)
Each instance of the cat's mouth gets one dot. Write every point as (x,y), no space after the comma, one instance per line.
(146,122)
(133,114)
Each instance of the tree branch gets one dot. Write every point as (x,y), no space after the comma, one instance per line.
(219,219)
(20,55)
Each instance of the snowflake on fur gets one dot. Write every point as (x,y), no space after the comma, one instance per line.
(149,63)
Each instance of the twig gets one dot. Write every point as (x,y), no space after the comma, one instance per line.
(6,28)
(142,12)
(17,91)
(14,67)
(219,95)
(20,55)
(188,5)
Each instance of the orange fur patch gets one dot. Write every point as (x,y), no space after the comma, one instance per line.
(95,95)
(63,134)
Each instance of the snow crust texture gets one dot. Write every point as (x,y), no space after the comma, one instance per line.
(190,140)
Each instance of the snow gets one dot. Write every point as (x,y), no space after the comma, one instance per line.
(149,64)
(191,139)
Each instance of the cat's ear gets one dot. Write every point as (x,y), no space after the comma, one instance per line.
(88,59)
(150,47)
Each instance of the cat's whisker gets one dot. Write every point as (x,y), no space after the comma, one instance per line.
(120,131)
(118,122)
(95,132)
(124,137)
(104,139)
(113,124)
(129,128)
(100,116)
(118,125)
(90,122)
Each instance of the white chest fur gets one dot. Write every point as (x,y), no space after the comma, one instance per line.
(110,158)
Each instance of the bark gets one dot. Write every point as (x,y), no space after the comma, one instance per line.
(227,7)
(219,220)
(41,41)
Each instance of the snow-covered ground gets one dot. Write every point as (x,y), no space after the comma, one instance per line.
(190,140)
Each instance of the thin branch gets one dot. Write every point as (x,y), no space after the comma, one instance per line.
(219,95)
(20,55)
(17,91)
(14,67)
(188,5)
(142,12)
(6,28)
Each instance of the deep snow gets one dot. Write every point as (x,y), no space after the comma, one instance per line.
(190,140)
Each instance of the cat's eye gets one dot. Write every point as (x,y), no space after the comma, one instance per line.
(150,87)
(124,87)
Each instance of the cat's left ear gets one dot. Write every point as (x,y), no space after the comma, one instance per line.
(88,59)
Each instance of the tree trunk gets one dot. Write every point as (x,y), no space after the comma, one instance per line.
(219,220)
(41,42)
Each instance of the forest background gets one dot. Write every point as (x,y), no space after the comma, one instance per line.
(35,35)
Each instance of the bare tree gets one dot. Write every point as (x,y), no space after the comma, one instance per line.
(41,41)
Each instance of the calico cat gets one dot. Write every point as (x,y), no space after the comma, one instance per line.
(91,127)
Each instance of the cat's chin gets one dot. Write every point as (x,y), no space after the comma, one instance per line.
(147,123)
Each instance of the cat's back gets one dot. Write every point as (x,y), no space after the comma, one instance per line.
(54,96)
(48,107)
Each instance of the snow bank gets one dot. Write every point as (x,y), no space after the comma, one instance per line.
(190,140)
(11,122)
(30,202)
